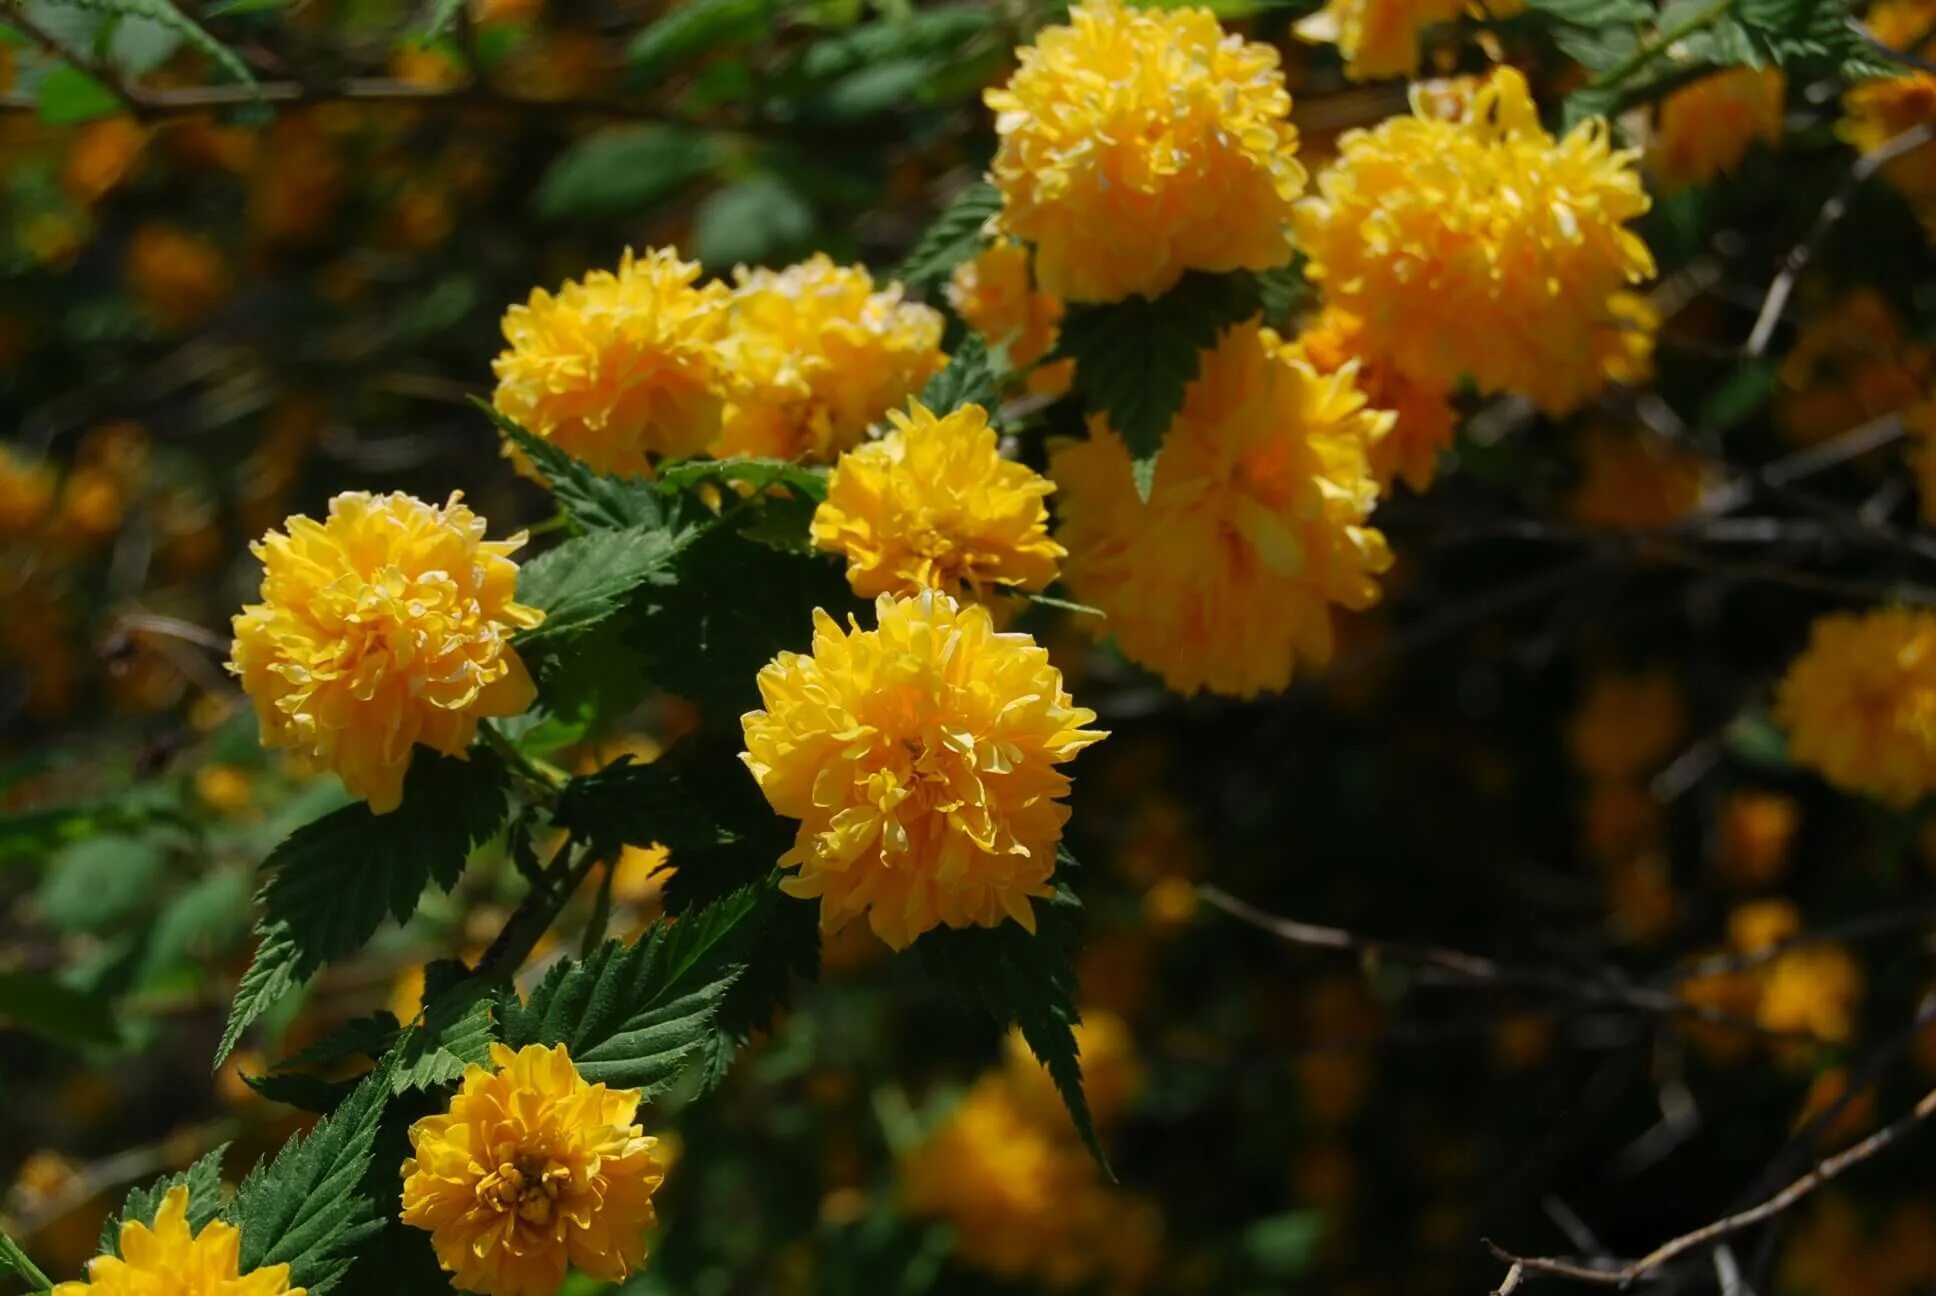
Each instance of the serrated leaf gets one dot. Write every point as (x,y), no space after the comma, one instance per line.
(753,473)
(632,804)
(457,1030)
(624,171)
(336,879)
(308,1207)
(204,1183)
(164,14)
(1594,13)
(587,579)
(594,501)
(635,1016)
(1136,358)
(956,235)
(966,379)
(1028,981)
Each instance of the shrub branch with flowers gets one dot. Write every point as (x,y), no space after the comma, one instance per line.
(1157,387)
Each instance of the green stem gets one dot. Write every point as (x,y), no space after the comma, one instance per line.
(1660,44)
(19,1262)
(543,779)
(535,914)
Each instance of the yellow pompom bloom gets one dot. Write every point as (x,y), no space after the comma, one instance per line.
(171,1260)
(26,492)
(1137,144)
(531,1171)
(920,758)
(1255,526)
(1377,38)
(1812,990)
(816,354)
(993,292)
(933,505)
(1705,129)
(1636,481)
(1473,244)
(616,369)
(1424,420)
(1859,704)
(1851,362)
(383,626)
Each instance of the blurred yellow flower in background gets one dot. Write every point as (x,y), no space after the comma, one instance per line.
(815,354)
(1473,244)
(1851,362)
(26,492)
(933,505)
(1626,724)
(1377,38)
(618,368)
(178,277)
(1138,144)
(1703,130)
(1255,526)
(1632,480)
(383,626)
(531,1171)
(1812,990)
(1877,110)
(1859,703)
(920,758)
(170,1259)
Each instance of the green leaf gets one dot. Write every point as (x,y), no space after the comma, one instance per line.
(336,879)
(587,579)
(624,171)
(295,1084)
(761,219)
(14,1260)
(442,14)
(692,30)
(1594,13)
(1027,981)
(635,1016)
(955,236)
(55,1011)
(912,34)
(308,1208)
(756,474)
(203,923)
(95,884)
(1284,1246)
(204,1183)
(966,379)
(632,804)
(1135,358)
(69,96)
(457,1030)
(594,501)
(164,14)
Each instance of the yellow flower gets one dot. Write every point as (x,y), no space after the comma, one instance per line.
(933,505)
(1636,481)
(1627,724)
(1850,363)
(618,367)
(1424,421)
(1812,990)
(816,354)
(26,492)
(384,626)
(992,291)
(920,758)
(1137,144)
(1255,525)
(170,1260)
(1473,244)
(1705,129)
(1859,704)
(530,1171)
(1757,829)
(1878,110)
(1377,38)
(178,277)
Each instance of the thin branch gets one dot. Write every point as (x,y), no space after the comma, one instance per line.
(1648,1265)
(1832,211)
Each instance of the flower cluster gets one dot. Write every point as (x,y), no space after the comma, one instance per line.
(818,353)
(383,626)
(1705,129)
(933,505)
(1256,524)
(531,1171)
(171,1259)
(994,292)
(616,369)
(1138,144)
(1423,418)
(1859,704)
(1473,244)
(921,759)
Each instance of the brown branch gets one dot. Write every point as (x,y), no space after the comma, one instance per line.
(1625,1275)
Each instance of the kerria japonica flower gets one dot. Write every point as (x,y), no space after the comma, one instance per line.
(171,1259)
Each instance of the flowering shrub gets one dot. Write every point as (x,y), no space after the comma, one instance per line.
(1112,648)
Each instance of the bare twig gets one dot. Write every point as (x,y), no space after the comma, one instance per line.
(1832,211)
(1625,1275)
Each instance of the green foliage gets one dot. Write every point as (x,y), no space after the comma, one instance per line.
(204,1183)
(586,580)
(13,1260)
(54,1011)
(966,379)
(309,1208)
(688,32)
(457,1030)
(591,500)
(167,16)
(295,1082)
(334,881)
(99,881)
(69,96)
(754,474)
(636,1015)
(623,171)
(954,237)
(1135,358)
(761,219)
(1028,981)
